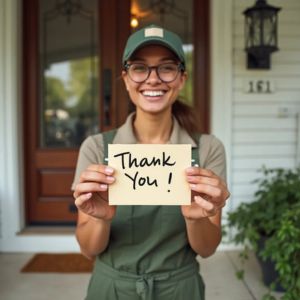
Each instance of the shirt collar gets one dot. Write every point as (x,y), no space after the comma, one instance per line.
(125,134)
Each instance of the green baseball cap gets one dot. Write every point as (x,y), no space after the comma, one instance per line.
(153,35)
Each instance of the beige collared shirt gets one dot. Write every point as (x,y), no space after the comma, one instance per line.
(211,150)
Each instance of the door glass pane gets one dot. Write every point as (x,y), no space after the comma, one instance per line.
(68,71)
(175,15)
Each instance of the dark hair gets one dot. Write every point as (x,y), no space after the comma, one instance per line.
(186,117)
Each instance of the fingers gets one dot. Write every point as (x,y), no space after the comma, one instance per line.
(213,181)
(209,193)
(89,187)
(205,176)
(208,206)
(80,201)
(101,169)
(200,208)
(200,171)
(97,173)
(95,178)
(207,182)
(212,191)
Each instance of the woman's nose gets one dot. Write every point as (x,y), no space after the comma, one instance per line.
(153,77)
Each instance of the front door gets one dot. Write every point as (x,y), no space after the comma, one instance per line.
(71,80)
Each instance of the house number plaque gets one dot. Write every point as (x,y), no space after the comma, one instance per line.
(259,86)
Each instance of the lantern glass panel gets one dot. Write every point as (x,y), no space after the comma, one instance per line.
(269,32)
(248,32)
(257,24)
(253,29)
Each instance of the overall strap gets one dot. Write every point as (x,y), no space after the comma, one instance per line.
(108,138)
(195,150)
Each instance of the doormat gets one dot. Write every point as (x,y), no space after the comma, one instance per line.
(58,263)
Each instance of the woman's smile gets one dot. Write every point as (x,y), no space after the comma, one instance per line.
(153,95)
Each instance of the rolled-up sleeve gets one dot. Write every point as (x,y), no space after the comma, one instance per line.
(212,155)
(90,152)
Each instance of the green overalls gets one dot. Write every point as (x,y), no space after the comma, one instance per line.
(148,256)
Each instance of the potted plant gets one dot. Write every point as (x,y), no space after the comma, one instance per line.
(270,226)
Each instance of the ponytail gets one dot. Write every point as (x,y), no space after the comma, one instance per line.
(186,117)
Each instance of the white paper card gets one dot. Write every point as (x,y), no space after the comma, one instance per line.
(149,174)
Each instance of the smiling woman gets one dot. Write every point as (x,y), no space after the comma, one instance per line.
(154,84)
(161,264)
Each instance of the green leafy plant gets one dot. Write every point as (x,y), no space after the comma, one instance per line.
(273,216)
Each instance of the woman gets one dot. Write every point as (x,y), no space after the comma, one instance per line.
(148,252)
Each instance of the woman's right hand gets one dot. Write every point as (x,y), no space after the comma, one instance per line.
(91,193)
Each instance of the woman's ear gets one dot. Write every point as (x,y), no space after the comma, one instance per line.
(183,79)
(125,79)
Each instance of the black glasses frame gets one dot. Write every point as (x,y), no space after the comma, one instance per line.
(180,67)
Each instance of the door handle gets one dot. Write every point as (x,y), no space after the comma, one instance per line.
(107,94)
(73,208)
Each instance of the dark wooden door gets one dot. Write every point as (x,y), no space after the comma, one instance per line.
(53,125)
(71,85)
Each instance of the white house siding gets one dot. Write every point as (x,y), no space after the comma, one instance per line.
(264,126)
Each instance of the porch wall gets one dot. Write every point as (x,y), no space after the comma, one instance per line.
(265,128)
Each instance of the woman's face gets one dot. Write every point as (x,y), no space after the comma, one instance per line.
(153,95)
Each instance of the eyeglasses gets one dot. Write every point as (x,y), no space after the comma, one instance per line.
(166,72)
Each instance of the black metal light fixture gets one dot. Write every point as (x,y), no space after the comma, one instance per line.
(260,34)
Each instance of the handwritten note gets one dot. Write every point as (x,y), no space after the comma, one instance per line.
(149,174)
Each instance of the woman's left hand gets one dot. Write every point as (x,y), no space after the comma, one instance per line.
(209,194)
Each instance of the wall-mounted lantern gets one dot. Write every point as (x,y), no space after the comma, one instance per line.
(260,34)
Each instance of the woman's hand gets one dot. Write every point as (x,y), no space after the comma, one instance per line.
(91,193)
(209,194)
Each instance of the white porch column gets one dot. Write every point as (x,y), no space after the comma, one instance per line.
(12,216)
(11,192)
(221,76)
